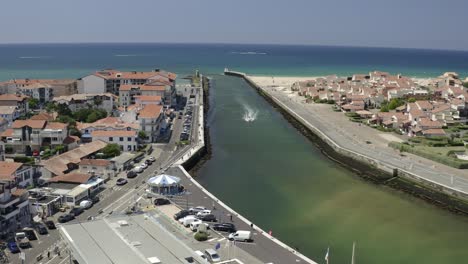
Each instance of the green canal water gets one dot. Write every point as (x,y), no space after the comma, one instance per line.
(274,176)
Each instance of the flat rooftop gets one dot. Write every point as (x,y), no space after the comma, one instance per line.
(125,239)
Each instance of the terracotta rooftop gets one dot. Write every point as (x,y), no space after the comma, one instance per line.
(153,88)
(55,126)
(43,116)
(149,98)
(434,131)
(151,111)
(39,124)
(7,169)
(95,162)
(7,133)
(113,133)
(12,97)
(58,164)
(72,178)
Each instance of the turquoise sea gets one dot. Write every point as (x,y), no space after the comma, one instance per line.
(268,171)
(75,60)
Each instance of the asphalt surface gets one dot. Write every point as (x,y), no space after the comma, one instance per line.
(351,136)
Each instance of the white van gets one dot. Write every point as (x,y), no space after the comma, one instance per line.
(194,226)
(201,255)
(240,235)
(212,255)
(186,221)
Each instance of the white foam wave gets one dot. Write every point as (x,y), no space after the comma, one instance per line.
(249,53)
(250,114)
(34,57)
(126,55)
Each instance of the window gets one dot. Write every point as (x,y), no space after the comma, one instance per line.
(121,139)
(129,139)
(111,139)
(54,139)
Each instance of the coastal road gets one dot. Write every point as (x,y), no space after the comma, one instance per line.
(351,136)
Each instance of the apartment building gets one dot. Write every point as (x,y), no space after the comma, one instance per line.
(99,167)
(14,203)
(151,120)
(18,101)
(55,87)
(110,80)
(9,113)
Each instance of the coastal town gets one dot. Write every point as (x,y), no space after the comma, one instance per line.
(105,152)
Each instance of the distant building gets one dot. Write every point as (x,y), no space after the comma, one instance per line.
(9,113)
(55,87)
(99,167)
(151,119)
(18,101)
(75,102)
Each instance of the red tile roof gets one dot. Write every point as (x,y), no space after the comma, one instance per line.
(7,169)
(113,133)
(151,111)
(30,123)
(95,162)
(71,178)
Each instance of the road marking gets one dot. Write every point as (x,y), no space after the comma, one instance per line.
(221,239)
(211,240)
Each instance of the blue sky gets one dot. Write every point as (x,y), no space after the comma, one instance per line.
(433,24)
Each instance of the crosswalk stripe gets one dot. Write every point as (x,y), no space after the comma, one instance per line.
(221,239)
(210,240)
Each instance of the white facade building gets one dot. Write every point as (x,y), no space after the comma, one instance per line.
(127,140)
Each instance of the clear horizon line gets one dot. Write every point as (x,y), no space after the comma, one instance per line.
(233,43)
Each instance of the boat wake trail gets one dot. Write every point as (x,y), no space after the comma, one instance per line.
(250,114)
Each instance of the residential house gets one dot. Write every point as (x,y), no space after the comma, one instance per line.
(75,187)
(77,102)
(126,139)
(26,136)
(40,91)
(23,173)
(9,113)
(55,87)
(105,124)
(129,93)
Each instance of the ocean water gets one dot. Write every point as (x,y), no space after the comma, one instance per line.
(76,60)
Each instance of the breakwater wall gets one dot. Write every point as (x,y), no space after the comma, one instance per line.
(367,167)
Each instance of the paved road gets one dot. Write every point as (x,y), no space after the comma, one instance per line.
(262,248)
(351,136)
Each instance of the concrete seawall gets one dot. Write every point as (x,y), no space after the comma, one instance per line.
(368,167)
(195,154)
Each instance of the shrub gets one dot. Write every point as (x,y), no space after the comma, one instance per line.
(27,160)
(201,236)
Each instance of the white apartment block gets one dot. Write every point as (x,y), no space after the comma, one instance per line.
(75,102)
(127,140)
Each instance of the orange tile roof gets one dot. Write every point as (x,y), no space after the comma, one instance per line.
(71,178)
(43,116)
(12,97)
(7,169)
(434,131)
(115,74)
(29,123)
(150,111)
(113,133)
(56,125)
(128,87)
(153,88)
(95,162)
(7,133)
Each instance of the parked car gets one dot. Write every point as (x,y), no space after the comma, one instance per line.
(86,204)
(148,162)
(50,224)
(41,229)
(224,227)
(194,224)
(76,211)
(161,201)
(186,221)
(203,213)
(195,210)
(13,247)
(30,233)
(22,240)
(181,214)
(66,218)
(245,236)
(152,159)
(208,218)
(131,174)
(201,255)
(212,255)
(95,199)
(121,181)
(138,169)
(143,165)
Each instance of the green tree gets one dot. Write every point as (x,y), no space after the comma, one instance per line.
(465,84)
(111,150)
(62,109)
(142,134)
(394,103)
(50,107)
(33,103)
(411,100)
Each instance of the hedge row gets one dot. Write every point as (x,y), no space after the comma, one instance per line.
(459,164)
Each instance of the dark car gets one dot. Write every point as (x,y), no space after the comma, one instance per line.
(30,234)
(181,214)
(50,224)
(121,181)
(42,229)
(13,247)
(224,227)
(208,218)
(95,199)
(66,218)
(131,174)
(161,201)
(148,162)
(76,211)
